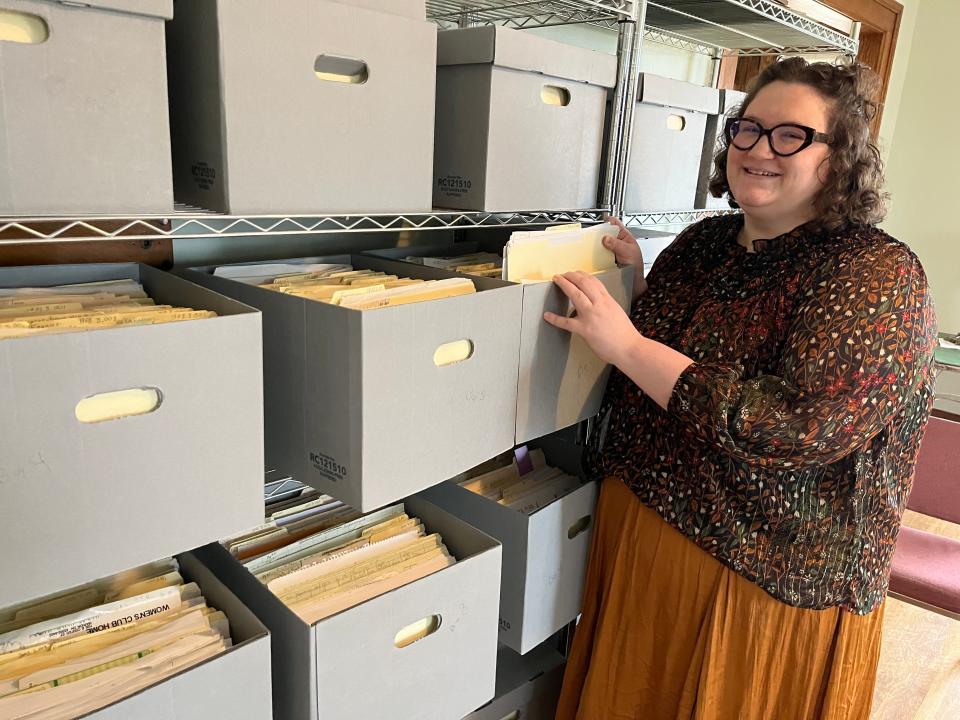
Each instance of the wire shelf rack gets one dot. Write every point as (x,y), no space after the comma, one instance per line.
(672,217)
(710,27)
(741,27)
(524,14)
(192,223)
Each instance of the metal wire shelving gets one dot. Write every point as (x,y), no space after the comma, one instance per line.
(525,14)
(191,223)
(742,27)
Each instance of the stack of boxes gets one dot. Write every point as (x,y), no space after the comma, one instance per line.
(353,106)
(83,501)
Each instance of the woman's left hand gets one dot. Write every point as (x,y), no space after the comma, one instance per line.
(599,319)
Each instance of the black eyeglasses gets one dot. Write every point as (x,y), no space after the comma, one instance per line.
(785,140)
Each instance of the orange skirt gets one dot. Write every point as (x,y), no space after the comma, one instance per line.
(669,632)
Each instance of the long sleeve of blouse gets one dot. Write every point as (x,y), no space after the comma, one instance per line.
(858,346)
(788,447)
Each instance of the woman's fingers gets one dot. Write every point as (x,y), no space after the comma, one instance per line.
(564,323)
(592,288)
(617,247)
(572,290)
(624,234)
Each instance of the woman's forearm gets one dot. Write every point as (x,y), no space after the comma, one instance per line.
(653,366)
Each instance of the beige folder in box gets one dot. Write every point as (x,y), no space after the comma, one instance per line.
(362,405)
(561,380)
(83,500)
(545,552)
(357,664)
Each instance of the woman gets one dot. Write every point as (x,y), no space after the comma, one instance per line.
(759,432)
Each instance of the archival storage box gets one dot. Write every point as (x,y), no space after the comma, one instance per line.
(89,499)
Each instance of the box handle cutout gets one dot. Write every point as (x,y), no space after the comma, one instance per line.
(19,27)
(417,631)
(119,404)
(333,68)
(555,95)
(515,715)
(677,123)
(453,352)
(580,526)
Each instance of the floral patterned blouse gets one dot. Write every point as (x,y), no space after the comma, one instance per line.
(788,447)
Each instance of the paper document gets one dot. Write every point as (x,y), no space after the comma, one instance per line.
(340,566)
(99,652)
(25,312)
(540,255)
(525,492)
(342,285)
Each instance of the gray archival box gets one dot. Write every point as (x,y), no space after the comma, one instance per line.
(87,500)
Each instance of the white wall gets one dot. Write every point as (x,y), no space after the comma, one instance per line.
(924,152)
(898,74)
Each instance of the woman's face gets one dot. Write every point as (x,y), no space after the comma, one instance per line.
(766,185)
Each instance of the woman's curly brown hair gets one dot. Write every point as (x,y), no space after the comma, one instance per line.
(852,193)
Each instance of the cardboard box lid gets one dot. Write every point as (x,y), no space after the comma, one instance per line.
(659,90)
(154,8)
(518,50)
(729,99)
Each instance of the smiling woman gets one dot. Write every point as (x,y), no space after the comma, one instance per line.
(758,436)
(836,182)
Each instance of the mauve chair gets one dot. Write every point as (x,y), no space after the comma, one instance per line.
(926,567)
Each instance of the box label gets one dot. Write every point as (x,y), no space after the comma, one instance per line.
(328,466)
(455,186)
(204,176)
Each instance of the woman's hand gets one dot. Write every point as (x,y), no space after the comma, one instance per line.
(599,319)
(627,252)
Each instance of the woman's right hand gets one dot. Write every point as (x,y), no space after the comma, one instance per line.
(627,252)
